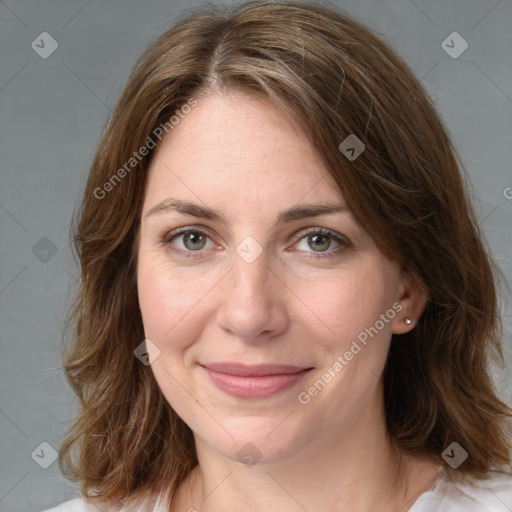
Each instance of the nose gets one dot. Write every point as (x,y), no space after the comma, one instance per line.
(252,308)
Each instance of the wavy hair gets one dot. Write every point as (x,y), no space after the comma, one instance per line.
(407,188)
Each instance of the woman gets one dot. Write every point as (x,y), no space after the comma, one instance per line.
(286,302)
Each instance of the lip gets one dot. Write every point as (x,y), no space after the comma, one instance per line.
(254,381)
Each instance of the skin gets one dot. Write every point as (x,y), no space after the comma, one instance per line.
(241,157)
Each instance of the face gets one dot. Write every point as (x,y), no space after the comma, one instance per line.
(269,308)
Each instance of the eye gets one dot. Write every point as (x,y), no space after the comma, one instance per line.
(320,240)
(188,240)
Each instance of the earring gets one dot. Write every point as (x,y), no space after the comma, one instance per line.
(408,321)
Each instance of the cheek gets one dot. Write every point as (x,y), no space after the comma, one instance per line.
(170,302)
(345,304)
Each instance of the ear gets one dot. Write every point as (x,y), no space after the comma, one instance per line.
(413,299)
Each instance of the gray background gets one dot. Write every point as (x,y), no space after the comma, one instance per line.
(52,112)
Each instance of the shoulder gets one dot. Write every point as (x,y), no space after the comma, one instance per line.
(492,493)
(76,505)
(149,503)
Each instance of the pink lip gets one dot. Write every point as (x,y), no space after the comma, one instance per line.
(257,381)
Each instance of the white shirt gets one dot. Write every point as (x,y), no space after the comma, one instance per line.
(490,494)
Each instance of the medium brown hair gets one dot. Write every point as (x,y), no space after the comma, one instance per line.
(336,78)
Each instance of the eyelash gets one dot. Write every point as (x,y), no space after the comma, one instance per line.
(343,242)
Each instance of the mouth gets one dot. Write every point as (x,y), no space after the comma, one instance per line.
(254,381)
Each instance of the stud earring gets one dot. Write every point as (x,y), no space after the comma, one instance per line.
(408,321)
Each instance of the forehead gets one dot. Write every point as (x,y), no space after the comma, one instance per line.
(237,142)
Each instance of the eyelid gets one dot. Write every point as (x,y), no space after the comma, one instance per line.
(323,231)
(185,229)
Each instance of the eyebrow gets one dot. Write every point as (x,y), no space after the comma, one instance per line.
(291,214)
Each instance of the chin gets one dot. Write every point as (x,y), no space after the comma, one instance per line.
(257,440)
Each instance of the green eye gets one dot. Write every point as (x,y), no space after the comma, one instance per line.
(194,240)
(187,240)
(319,243)
(316,242)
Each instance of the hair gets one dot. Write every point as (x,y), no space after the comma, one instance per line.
(336,78)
